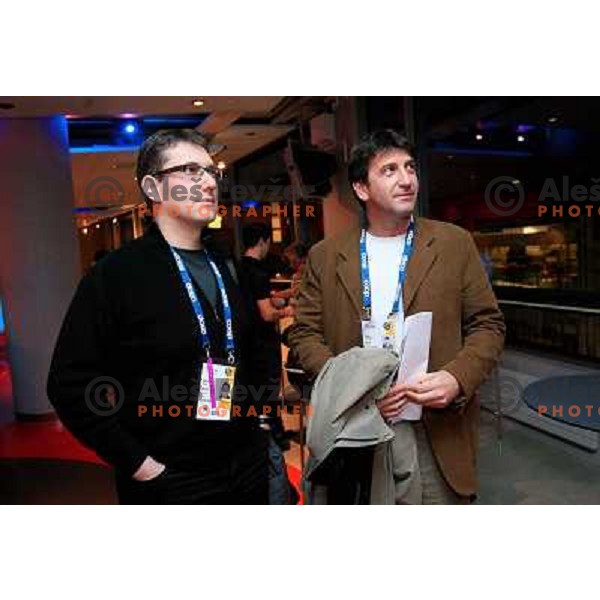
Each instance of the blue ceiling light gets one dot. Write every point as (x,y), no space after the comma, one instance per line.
(130,128)
(247,204)
(524,128)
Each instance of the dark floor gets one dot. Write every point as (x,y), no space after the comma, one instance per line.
(525,466)
(42,481)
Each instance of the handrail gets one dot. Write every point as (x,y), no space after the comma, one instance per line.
(575,309)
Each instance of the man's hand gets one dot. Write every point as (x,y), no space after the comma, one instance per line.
(149,469)
(393,403)
(434,390)
(288,311)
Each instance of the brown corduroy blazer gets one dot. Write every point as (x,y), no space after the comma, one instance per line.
(444,276)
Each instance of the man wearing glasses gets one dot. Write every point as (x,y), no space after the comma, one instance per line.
(152,332)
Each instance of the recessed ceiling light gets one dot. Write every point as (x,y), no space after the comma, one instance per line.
(478,137)
(515,181)
(130,128)
(114,220)
(553,119)
(97,225)
(198,102)
(520,138)
(84,231)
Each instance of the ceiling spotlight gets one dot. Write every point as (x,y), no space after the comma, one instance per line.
(516,182)
(114,220)
(198,102)
(221,165)
(97,225)
(520,138)
(479,137)
(84,231)
(552,120)
(130,128)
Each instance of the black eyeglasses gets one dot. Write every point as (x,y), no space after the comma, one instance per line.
(192,170)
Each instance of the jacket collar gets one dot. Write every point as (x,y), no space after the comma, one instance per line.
(348,263)
(153,235)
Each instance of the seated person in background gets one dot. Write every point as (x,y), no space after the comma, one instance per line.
(295,254)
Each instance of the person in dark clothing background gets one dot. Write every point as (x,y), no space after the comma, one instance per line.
(256,238)
(266,346)
(149,330)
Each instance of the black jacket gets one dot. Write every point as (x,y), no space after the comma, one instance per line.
(131,321)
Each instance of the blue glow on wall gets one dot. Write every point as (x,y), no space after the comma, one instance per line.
(2,323)
(99,149)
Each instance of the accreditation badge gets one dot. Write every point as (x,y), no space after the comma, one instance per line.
(371,335)
(391,332)
(215,396)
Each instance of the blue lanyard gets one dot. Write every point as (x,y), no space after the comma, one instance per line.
(364,271)
(189,286)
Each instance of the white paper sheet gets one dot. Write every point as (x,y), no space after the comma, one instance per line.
(413,348)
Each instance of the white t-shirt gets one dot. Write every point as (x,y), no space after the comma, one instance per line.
(384,254)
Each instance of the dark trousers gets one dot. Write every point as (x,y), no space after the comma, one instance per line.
(232,477)
(347,474)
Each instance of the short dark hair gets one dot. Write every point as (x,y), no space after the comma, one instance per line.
(151,155)
(369,146)
(253,233)
(299,249)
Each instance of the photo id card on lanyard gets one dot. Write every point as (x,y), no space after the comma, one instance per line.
(216,380)
(216,390)
(374,336)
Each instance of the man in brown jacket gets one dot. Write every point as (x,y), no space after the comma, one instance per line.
(347,299)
